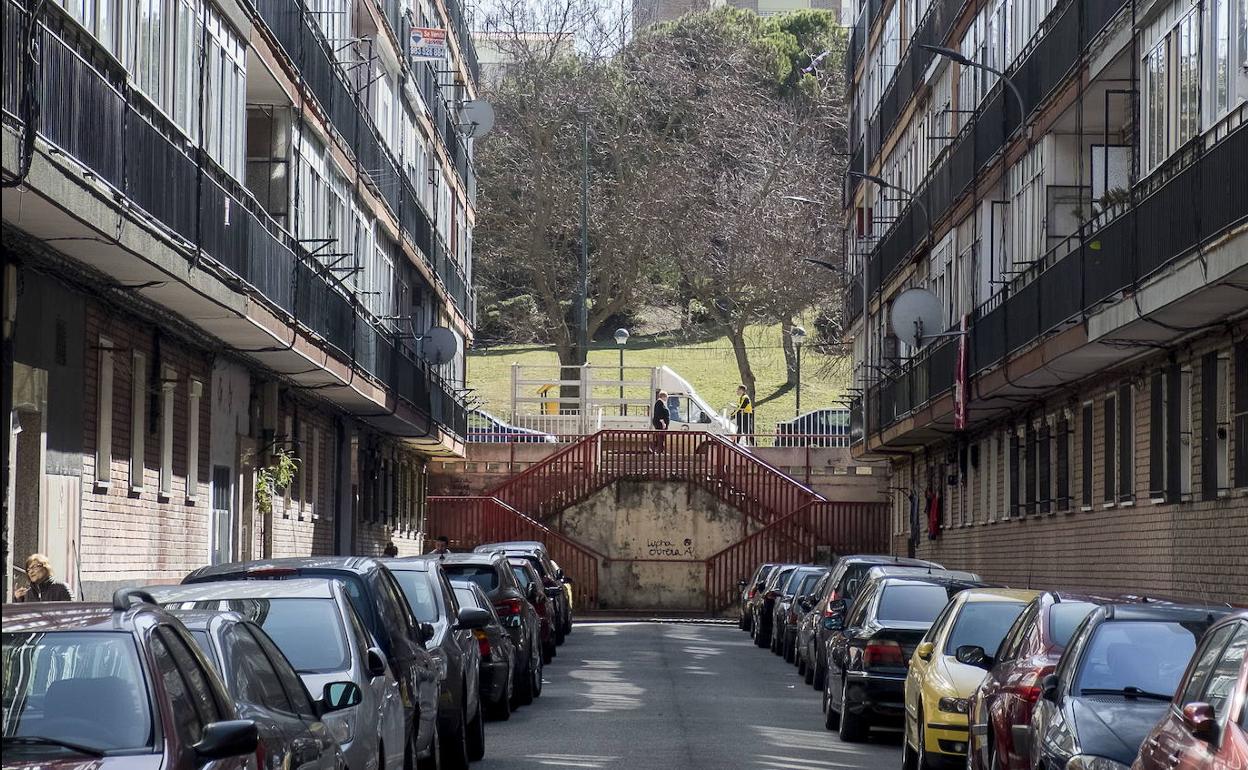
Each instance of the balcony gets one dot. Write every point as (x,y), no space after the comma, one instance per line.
(1111,256)
(89,116)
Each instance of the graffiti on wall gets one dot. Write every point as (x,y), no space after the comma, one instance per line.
(661,549)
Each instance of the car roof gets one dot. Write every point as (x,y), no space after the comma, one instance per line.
(296,588)
(901,561)
(488,557)
(410,563)
(982,593)
(947,581)
(1161,610)
(360,565)
(879,570)
(74,616)
(199,620)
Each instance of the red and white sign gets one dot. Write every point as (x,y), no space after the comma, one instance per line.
(426,44)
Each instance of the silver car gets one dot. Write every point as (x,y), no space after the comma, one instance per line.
(314,625)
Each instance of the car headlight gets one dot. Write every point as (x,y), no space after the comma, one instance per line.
(955,706)
(439,664)
(341,725)
(1091,762)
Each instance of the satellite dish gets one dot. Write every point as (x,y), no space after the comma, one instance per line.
(476,118)
(439,345)
(915,316)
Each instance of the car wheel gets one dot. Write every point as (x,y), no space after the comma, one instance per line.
(920,754)
(909,758)
(559,634)
(434,760)
(853,726)
(831,719)
(476,735)
(548,652)
(537,679)
(759,639)
(810,673)
(820,674)
(524,692)
(801,664)
(790,652)
(501,709)
(455,746)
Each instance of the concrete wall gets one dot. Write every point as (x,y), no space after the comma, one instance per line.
(656,536)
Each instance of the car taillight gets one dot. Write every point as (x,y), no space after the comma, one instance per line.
(541,608)
(483,642)
(510,607)
(885,653)
(752,593)
(1028,687)
(260,755)
(827,609)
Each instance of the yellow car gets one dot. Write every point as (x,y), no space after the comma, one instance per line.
(946,668)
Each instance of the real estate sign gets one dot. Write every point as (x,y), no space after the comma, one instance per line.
(426,44)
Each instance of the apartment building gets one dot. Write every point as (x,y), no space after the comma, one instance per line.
(1081,420)
(233,232)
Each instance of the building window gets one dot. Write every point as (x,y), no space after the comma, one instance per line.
(1171,93)
(1214,426)
(1031,474)
(289,435)
(1013,504)
(1086,455)
(1158,437)
(1241,402)
(1126,444)
(1183,471)
(138,426)
(168,391)
(1109,455)
(1062,441)
(314,467)
(104,417)
(196,392)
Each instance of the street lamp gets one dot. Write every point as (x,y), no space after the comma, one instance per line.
(955,56)
(884,184)
(621,339)
(798,335)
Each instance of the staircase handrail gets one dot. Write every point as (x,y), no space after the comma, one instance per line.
(491,500)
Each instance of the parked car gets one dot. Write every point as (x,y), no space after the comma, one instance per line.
(540,598)
(492,572)
(749,589)
(485,428)
(764,608)
(1115,681)
(819,428)
(379,601)
(945,671)
(871,642)
(266,690)
(496,652)
(316,627)
(552,578)
(566,584)
(1029,652)
(807,620)
(848,575)
(1206,726)
(461,724)
(120,686)
(787,611)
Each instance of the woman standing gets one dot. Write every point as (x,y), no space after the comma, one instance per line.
(42,587)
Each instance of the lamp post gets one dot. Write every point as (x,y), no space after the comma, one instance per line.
(798,335)
(956,56)
(621,339)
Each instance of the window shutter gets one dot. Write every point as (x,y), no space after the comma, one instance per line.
(1086,454)
(1240,447)
(1044,477)
(1032,467)
(1063,465)
(1174,482)
(1015,504)
(1209,426)
(1126,447)
(1109,455)
(1157,438)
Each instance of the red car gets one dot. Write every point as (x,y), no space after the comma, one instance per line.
(1001,708)
(1206,727)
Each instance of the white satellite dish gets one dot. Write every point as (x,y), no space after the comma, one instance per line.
(439,345)
(476,117)
(915,316)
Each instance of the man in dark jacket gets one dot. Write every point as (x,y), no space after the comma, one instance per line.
(660,418)
(42,587)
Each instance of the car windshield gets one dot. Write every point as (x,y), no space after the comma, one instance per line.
(309,632)
(982,624)
(522,575)
(1064,618)
(481,574)
(419,594)
(912,603)
(808,583)
(201,641)
(1148,656)
(83,690)
(466,597)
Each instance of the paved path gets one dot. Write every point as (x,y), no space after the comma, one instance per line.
(655,695)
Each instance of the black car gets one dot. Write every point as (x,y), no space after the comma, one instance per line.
(492,572)
(871,644)
(269,692)
(496,652)
(1114,682)
(542,601)
(787,612)
(762,609)
(749,589)
(552,579)
(848,574)
(379,601)
(461,727)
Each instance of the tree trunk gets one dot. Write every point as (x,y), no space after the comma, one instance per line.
(736,334)
(790,351)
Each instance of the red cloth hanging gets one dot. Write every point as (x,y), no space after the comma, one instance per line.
(935,509)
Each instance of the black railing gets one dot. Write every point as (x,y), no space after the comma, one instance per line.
(1195,198)
(92,116)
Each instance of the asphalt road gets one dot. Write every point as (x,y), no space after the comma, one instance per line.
(655,695)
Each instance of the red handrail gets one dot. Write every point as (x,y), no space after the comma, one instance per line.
(471,521)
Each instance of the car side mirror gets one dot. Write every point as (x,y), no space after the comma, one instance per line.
(925,650)
(740,584)
(375,662)
(427,631)
(834,622)
(531,593)
(1201,721)
(340,695)
(973,655)
(471,618)
(1048,688)
(559,574)
(554,592)
(229,738)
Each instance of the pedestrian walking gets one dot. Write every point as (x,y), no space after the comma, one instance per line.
(744,415)
(391,550)
(42,587)
(660,418)
(443,547)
